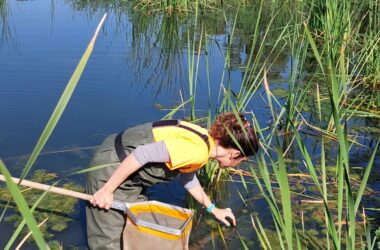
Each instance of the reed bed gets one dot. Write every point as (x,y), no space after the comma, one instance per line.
(333,53)
(328,36)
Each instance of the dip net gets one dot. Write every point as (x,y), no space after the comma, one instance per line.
(172,226)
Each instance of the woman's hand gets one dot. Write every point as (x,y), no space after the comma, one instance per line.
(222,214)
(102,198)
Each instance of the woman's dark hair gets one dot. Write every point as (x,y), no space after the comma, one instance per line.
(245,135)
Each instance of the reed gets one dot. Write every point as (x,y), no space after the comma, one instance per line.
(337,74)
(333,50)
(170,7)
(23,207)
(341,54)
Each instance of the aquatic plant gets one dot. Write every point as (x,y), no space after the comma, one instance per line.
(26,212)
(329,63)
(337,74)
(312,36)
(56,208)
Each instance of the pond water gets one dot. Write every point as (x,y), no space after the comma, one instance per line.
(137,71)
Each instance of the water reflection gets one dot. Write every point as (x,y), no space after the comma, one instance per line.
(6,24)
(154,51)
(158,44)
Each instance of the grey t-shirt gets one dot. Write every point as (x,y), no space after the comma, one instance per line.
(157,152)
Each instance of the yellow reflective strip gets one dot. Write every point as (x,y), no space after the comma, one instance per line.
(168,211)
(154,208)
(162,234)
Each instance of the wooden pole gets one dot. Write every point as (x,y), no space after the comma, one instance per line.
(48,188)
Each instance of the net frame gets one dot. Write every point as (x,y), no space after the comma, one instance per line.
(163,216)
(131,209)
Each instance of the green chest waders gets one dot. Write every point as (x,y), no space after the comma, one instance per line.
(104,228)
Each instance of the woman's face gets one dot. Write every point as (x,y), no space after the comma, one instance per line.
(232,158)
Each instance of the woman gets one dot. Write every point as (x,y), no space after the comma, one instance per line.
(157,152)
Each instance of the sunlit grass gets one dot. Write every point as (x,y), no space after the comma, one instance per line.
(333,50)
(26,212)
(338,62)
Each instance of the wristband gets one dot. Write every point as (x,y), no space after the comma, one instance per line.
(210,208)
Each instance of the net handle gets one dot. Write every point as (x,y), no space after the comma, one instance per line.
(118,205)
(49,188)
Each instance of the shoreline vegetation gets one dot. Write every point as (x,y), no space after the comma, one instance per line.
(316,197)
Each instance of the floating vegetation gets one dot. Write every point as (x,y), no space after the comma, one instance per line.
(177,6)
(59,210)
(159,106)
(314,195)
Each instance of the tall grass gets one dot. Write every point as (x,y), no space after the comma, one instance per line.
(328,35)
(334,52)
(332,47)
(23,207)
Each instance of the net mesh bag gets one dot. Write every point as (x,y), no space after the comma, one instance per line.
(137,237)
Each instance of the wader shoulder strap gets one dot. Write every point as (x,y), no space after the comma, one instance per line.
(120,151)
(119,143)
(178,124)
(119,147)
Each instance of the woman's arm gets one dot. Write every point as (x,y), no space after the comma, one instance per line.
(104,196)
(152,152)
(221,214)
